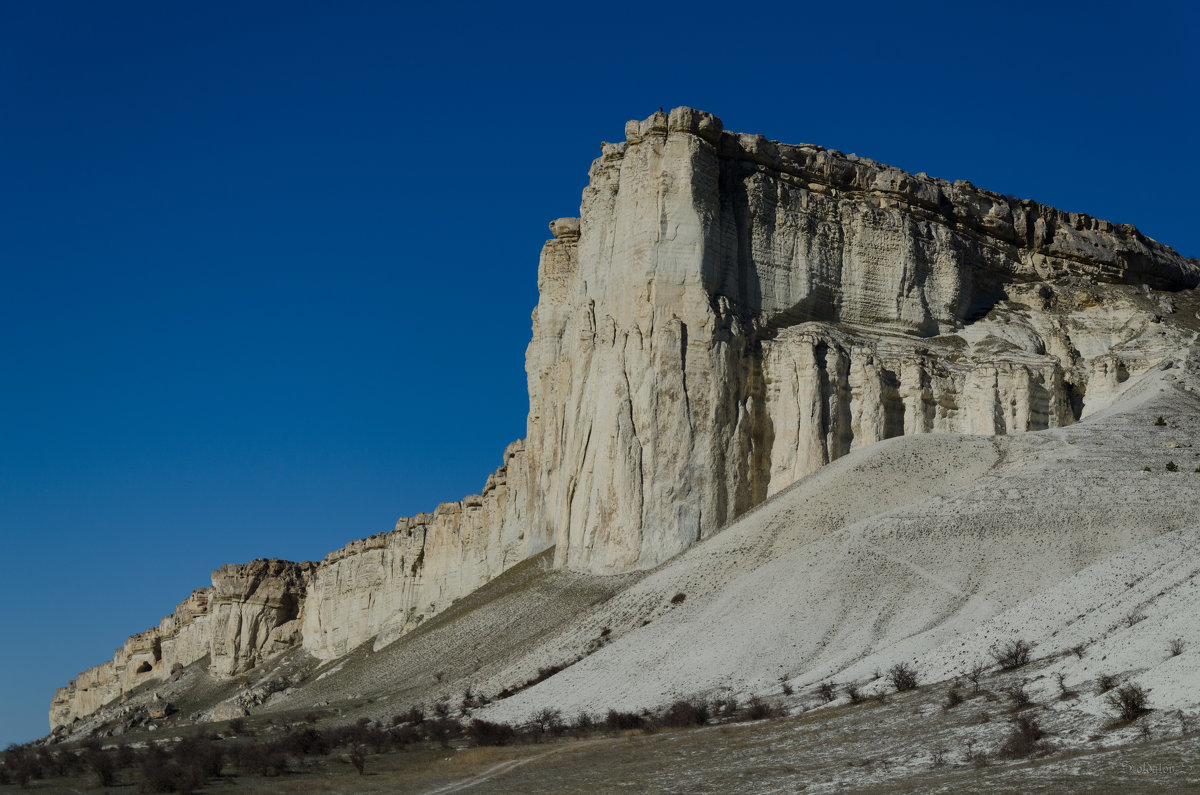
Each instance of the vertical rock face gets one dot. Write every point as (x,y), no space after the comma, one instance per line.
(249,613)
(740,312)
(254,612)
(383,586)
(727,315)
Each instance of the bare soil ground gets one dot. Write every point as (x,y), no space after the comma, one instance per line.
(903,742)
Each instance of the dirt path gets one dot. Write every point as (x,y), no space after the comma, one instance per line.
(502,768)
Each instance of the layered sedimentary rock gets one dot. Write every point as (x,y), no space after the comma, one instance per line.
(726,315)
(242,618)
(381,587)
(254,612)
(744,311)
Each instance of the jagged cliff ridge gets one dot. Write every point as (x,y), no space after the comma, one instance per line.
(249,613)
(727,315)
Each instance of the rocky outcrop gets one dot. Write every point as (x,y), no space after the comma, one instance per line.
(741,312)
(726,315)
(244,617)
(254,612)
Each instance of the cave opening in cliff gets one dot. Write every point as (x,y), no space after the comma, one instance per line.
(144,668)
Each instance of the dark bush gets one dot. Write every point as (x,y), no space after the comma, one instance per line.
(46,763)
(623,721)
(678,598)
(414,715)
(102,764)
(853,694)
(1187,723)
(827,691)
(443,730)
(1105,682)
(73,763)
(124,757)
(55,764)
(358,758)
(261,759)
(484,732)
(542,675)
(20,765)
(1025,740)
(1128,701)
(757,709)
(974,674)
(547,720)
(153,762)
(903,677)
(304,742)
(51,764)
(161,773)
(1012,655)
(362,732)
(1175,647)
(1018,695)
(200,753)
(375,738)
(726,707)
(686,713)
(162,777)
(338,736)
(953,698)
(1172,466)
(404,735)
(546,672)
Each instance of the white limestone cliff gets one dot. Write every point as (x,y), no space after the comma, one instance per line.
(727,315)
(248,614)
(745,311)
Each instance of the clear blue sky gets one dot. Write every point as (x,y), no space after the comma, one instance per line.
(268,267)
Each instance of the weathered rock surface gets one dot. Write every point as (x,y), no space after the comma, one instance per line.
(739,312)
(226,711)
(727,315)
(240,620)
(385,585)
(254,610)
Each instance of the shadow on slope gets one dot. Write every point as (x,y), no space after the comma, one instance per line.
(460,648)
